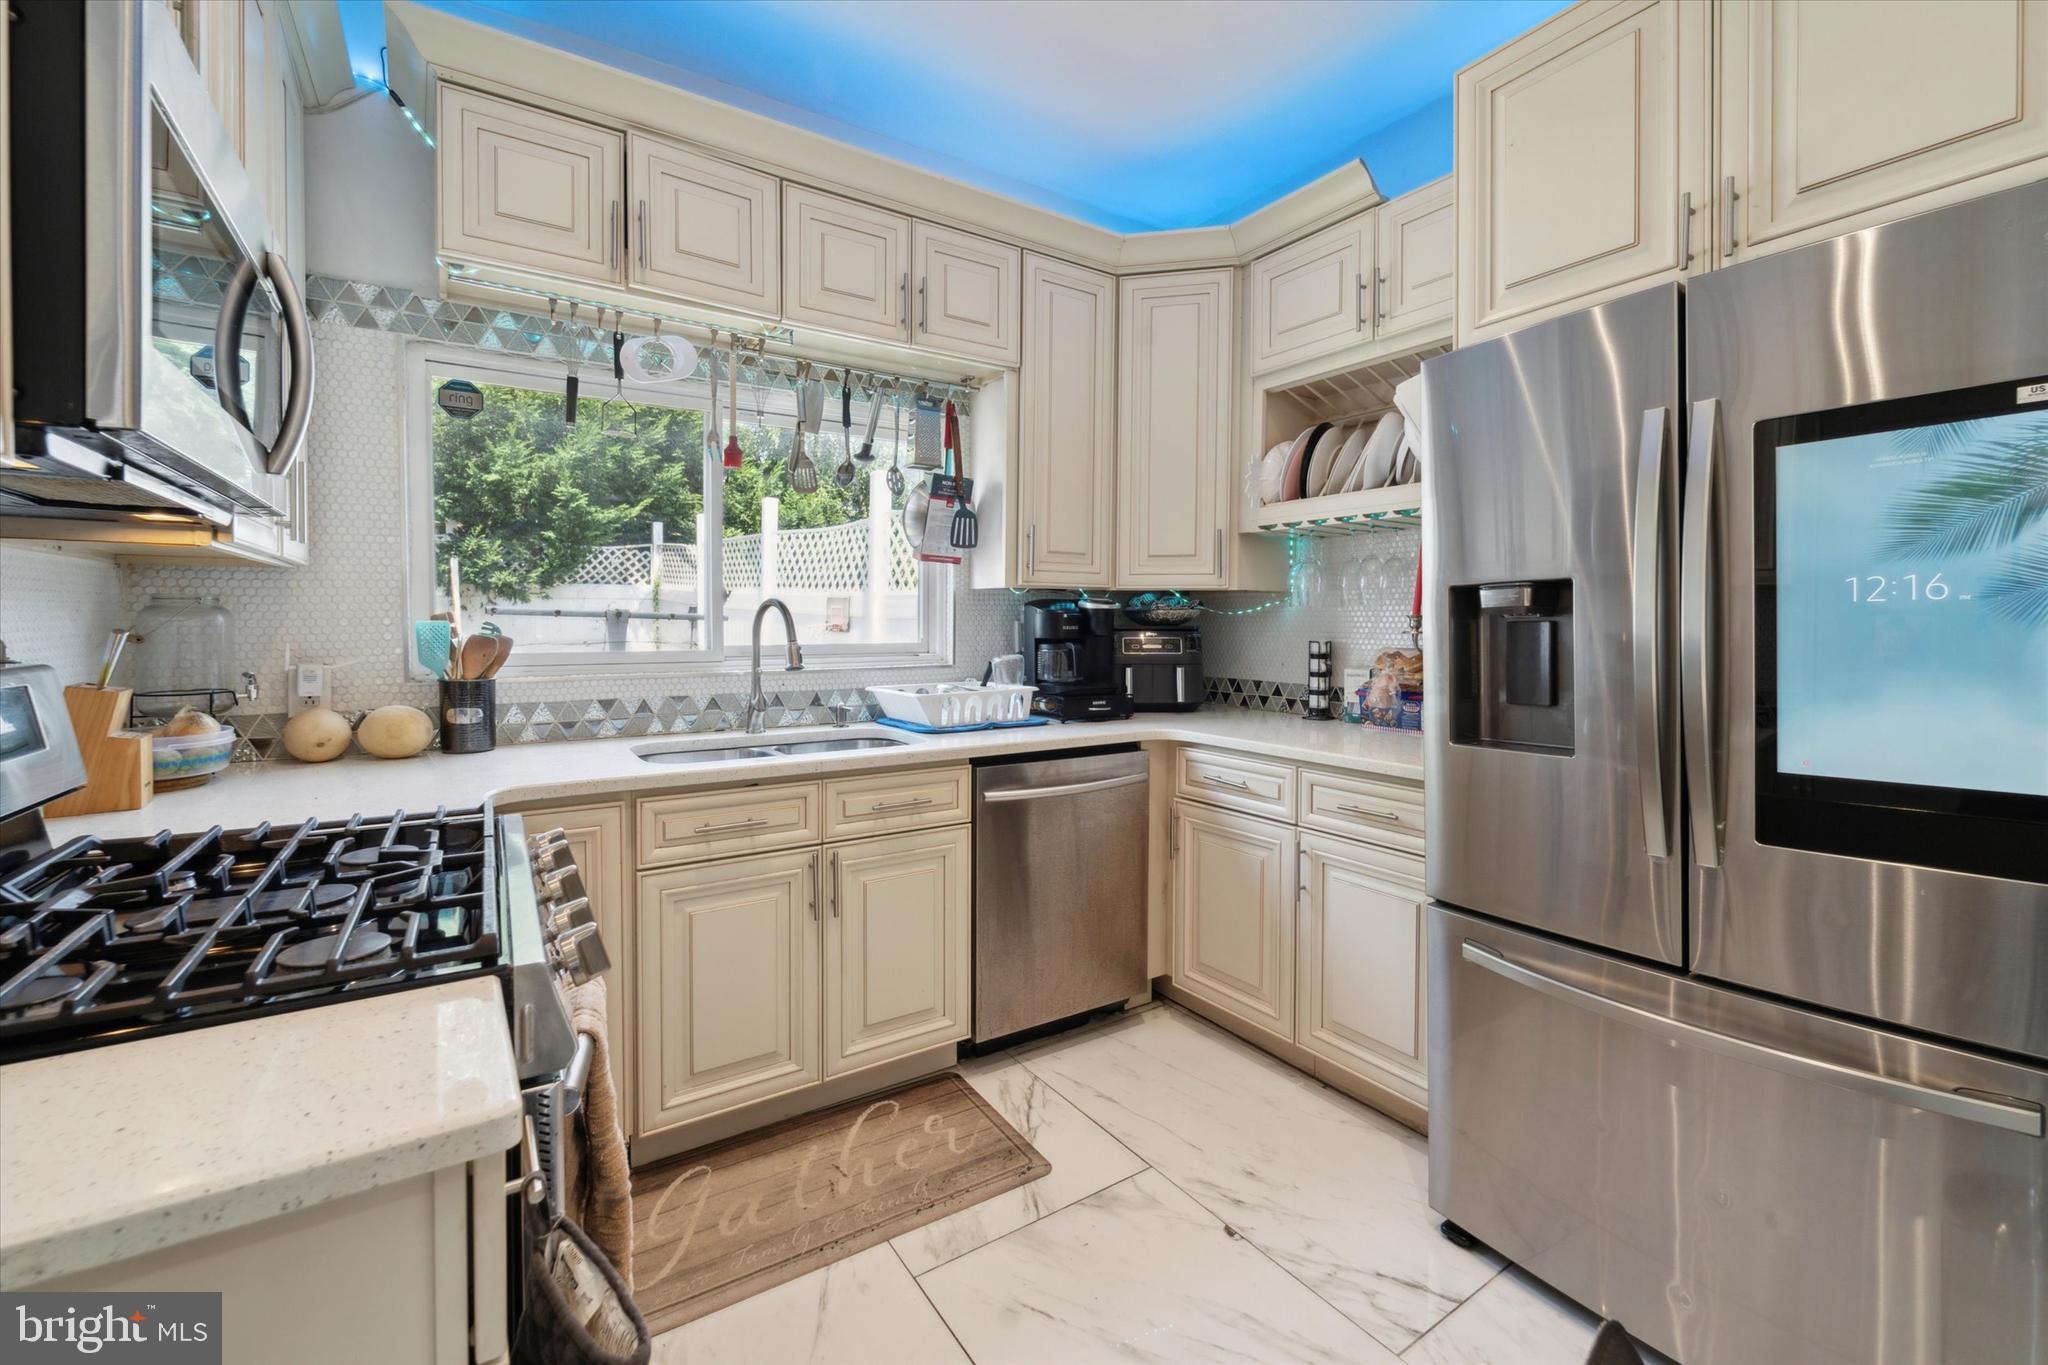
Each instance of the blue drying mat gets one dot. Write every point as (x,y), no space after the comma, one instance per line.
(917,729)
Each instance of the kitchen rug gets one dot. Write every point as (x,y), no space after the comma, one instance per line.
(714,1226)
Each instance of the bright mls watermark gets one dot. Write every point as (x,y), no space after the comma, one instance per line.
(162,1328)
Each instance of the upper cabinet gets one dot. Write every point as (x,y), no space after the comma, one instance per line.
(1582,161)
(1835,115)
(1312,297)
(523,188)
(1415,254)
(704,228)
(1176,343)
(1064,488)
(966,294)
(848,265)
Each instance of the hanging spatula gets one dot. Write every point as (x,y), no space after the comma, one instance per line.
(965,531)
(803,475)
(843,476)
(896,480)
(866,454)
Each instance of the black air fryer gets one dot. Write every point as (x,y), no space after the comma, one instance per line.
(1161,666)
(1069,649)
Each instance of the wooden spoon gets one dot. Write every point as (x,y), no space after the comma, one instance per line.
(478,653)
(504,652)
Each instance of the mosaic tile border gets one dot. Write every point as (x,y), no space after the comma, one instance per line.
(1256,694)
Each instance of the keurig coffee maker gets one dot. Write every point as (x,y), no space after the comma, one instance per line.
(1069,649)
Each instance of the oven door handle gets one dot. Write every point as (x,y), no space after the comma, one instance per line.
(2012,1116)
(576,1079)
(1654,742)
(1698,664)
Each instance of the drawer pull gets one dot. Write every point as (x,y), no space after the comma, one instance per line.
(751,822)
(1362,813)
(913,803)
(1236,783)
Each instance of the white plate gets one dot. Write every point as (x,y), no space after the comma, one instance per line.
(1271,470)
(1344,468)
(1378,459)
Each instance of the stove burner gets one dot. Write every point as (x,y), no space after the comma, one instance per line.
(399,854)
(313,953)
(44,989)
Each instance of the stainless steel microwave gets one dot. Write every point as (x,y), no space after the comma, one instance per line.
(163,360)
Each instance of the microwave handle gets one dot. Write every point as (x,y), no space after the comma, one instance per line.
(298,335)
(227,345)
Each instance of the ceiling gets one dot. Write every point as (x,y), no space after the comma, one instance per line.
(1135,115)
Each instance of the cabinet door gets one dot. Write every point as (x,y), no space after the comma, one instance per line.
(529,189)
(1174,367)
(728,956)
(1416,243)
(848,266)
(1066,471)
(896,947)
(1360,989)
(966,290)
(597,845)
(1233,914)
(1577,146)
(1313,297)
(1831,111)
(704,228)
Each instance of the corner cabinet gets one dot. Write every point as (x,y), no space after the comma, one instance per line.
(1176,346)
(896,946)
(524,188)
(704,229)
(1064,485)
(1582,161)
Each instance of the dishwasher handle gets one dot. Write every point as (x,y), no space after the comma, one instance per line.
(1066,788)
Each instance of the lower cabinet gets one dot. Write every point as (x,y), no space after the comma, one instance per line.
(728,984)
(1233,902)
(765,974)
(1358,988)
(896,946)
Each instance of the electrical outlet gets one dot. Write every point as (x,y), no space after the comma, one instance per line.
(306,688)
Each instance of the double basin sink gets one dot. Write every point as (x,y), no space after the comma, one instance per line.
(729,749)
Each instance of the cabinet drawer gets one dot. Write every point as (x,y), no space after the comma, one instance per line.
(1236,781)
(683,829)
(1381,812)
(885,802)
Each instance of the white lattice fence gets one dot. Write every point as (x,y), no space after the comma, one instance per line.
(818,559)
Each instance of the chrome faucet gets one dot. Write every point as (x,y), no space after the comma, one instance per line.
(756,712)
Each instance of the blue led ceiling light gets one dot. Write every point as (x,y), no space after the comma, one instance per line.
(1136,115)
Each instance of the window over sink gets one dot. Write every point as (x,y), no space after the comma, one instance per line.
(619,541)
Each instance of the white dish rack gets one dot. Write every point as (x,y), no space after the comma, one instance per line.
(943,705)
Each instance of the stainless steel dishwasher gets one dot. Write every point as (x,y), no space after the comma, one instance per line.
(1059,887)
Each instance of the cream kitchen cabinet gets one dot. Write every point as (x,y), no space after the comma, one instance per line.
(1836,116)
(847,265)
(1064,487)
(1415,250)
(966,291)
(1233,892)
(1313,297)
(728,984)
(704,229)
(596,836)
(1359,974)
(524,188)
(896,946)
(1583,161)
(1175,483)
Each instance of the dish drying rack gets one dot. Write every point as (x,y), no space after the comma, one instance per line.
(1362,393)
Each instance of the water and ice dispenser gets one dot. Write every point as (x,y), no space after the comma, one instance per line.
(1511,665)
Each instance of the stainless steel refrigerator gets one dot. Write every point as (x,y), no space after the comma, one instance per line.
(1737,726)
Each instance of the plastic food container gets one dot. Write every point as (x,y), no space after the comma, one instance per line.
(941,705)
(187,760)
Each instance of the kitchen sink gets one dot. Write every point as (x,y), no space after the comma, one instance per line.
(835,746)
(734,748)
(725,754)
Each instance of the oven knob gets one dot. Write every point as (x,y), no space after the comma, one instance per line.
(571,915)
(564,882)
(581,953)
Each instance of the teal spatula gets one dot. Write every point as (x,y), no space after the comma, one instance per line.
(430,645)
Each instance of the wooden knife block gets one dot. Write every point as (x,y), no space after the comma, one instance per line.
(120,770)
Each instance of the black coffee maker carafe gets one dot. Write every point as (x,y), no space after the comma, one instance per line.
(1069,649)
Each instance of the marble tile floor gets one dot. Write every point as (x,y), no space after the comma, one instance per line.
(1206,1203)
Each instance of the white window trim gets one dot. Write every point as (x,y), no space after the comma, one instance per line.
(731,647)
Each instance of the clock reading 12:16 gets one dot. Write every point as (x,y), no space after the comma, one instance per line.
(1876,588)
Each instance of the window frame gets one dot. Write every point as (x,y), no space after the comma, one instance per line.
(727,637)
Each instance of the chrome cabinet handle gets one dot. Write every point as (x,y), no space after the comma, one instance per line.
(1215,780)
(1360,327)
(833,887)
(751,822)
(2011,1116)
(1219,552)
(1362,813)
(924,302)
(903,313)
(1031,549)
(1685,212)
(911,804)
(1652,660)
(1697,663)
(1728,198)
(642,239)
(1379,298)
(611,253)
(814,889)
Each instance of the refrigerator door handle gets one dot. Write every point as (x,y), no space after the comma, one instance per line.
(1652,675)
(2011,1115)
(1697,662)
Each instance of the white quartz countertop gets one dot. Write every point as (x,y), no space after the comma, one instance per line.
(120,1150)
(522,774)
